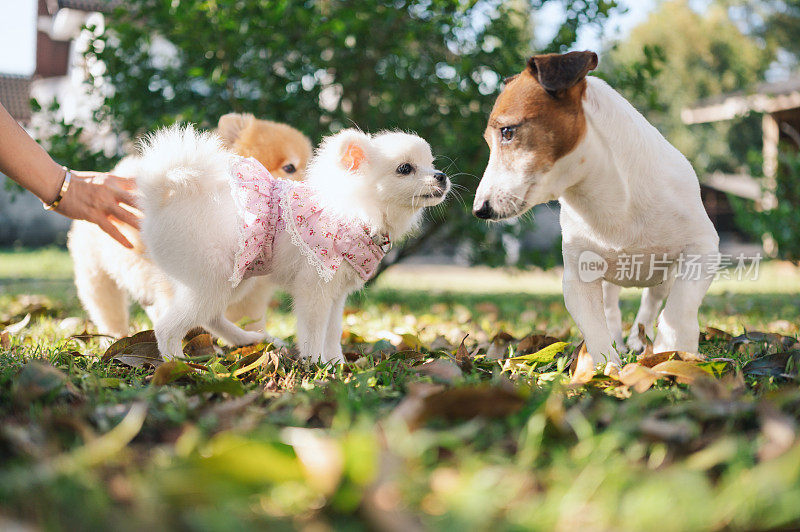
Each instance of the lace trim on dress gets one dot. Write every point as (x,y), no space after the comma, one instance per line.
(239,202)
(291,227)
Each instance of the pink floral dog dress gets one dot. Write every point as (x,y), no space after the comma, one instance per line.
(267,205)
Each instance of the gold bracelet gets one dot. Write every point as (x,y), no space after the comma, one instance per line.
(64,187)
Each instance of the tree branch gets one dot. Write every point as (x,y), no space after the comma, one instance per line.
(408,249)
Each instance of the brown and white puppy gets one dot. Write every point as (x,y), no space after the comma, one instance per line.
(631,213)
(108,275)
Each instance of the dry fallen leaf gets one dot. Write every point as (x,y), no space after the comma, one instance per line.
(86,335)
(254,360)
(440,343)
(410,342)
(653,359)
(638,377)
(122,344)
(5,339)
(412,405)
(684,372)
(201,346)
(756,337)
(648,344)
(543,356)
(499,346)
(729,387)
(244,351)
(37,380)
(171,371)
(687,356)
(657,358)
(472,401)
(135,351)
(464,403)
(584,367)
(533,343)
(15,328)
(462,356)
(442,369)
(713,333)
(611,370)
(774,365)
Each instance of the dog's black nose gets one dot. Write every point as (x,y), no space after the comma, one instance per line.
(485,212)
(440,177)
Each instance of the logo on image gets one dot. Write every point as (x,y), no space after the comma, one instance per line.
(591,266)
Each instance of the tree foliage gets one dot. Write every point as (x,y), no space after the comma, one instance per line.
(775,22)
(699,55)
(782,222)
(429,66)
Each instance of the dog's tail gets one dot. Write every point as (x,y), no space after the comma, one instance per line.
(181,161)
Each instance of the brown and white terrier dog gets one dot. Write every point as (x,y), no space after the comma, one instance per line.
(631,213)
(108,276)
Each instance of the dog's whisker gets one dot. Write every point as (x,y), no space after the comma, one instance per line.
(458,197)
(459,174)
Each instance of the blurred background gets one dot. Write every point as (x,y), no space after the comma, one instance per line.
(717,77)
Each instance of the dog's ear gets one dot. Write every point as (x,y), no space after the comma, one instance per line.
(231,125)
(353,156)
(559,72)
(352,149)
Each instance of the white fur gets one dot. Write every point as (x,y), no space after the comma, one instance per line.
(623,189)
(107,275)
(191,229)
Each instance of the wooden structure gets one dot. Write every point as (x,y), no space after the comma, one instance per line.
(779,104)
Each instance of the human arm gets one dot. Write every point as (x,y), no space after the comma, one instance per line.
(93,196)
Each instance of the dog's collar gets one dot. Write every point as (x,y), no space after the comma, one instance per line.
(381,240)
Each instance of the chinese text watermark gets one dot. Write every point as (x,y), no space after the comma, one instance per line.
(649,267)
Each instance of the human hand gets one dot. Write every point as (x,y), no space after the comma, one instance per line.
(99,197)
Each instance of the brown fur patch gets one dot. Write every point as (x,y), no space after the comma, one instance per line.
(273,144)
(547,126)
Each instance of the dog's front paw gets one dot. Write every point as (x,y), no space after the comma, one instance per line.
(336,357)
(277,343)
(253,337)
(619,344)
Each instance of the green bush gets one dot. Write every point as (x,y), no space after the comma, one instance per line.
(429,66)
(782,223)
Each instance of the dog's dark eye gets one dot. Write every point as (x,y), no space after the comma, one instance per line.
(507,133)
(289,169)
(405,169)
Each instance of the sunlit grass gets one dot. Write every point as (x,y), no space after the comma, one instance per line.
(45,263)
(289,444)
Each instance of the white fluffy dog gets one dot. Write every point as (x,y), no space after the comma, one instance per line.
(214,222)
(108,276)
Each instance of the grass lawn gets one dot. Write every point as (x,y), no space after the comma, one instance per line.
(415,432)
